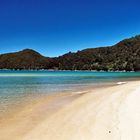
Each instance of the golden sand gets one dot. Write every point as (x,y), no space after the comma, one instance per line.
(108,113)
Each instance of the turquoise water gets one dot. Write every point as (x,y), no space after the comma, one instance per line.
(17,85)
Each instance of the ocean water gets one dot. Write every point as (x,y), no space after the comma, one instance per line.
(19,85)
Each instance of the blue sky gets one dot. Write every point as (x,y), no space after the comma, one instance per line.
(54,27)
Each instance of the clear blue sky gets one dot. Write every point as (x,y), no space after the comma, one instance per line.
(54,27)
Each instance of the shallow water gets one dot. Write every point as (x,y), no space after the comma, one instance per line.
(15,86)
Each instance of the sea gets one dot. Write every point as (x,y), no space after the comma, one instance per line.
(19,86)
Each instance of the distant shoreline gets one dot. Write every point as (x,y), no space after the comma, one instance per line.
(63,70)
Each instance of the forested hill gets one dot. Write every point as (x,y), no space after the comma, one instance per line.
(123,56)
(26,59)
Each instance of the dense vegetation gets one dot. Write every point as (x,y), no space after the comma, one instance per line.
(123,56)
(26,59)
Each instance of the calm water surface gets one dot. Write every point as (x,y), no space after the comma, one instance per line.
(18,85)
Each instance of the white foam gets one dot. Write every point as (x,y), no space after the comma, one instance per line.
(79,92)
(120,83)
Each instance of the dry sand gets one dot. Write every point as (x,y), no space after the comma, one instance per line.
(108,113)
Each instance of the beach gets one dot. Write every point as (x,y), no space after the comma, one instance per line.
(106,113)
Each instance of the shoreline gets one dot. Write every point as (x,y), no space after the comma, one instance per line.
(66,70)
(75,91)
(97,114)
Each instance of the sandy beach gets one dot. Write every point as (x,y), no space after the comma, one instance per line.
(107,113)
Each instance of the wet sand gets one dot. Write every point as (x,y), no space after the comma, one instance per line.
(107,113)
